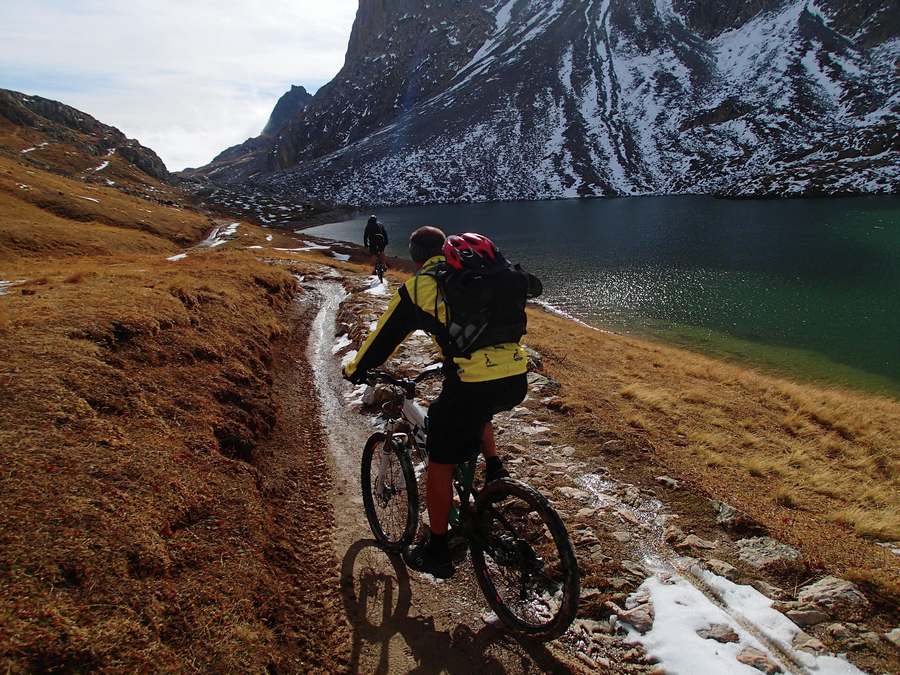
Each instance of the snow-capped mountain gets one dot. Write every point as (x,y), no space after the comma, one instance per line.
(447,100)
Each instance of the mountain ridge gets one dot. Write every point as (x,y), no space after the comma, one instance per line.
(526,99)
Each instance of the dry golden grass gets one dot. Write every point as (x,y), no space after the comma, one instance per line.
(50,195)
(817,466)
(130,534)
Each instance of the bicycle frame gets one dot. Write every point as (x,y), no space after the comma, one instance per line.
(410,428)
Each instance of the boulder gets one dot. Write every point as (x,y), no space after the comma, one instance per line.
(807,616)
(573,493)
(535,358)
(641,617)
(731,518)
(759,660)
(718,632)
(807,643)
(669,482)
(767,589)
(693,541)
(621,536)
(765,553)
(673,533)
(722,568)
(838,631)
(893,637)
(838,598)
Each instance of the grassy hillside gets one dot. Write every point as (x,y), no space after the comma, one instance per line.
(816,466)
(138,530)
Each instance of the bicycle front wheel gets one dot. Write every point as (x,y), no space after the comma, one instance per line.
(524,561)
(389,491)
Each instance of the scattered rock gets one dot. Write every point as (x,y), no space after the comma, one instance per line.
(838,631)
(808,643)
(673,533)
(668,482)
(589,594)
(718,632)
(566,451)
(585,513)
(757,659)
(765,553)
(573,493)
(839,598)
(731,518)
(641,617)
(893,636)
(693,541)
(807,616)
(619,583)
(621,537)
(535,359)
(542,383)
(722,568)
(767,589)
(634,568)
(613,446)
(557,404)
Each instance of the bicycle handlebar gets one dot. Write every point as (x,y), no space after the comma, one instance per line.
(408,386)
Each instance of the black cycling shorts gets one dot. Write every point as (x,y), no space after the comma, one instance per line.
(375,250)
(457,418)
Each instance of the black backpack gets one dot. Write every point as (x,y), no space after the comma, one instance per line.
(484,307)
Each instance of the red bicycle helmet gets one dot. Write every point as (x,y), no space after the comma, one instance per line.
(470,251)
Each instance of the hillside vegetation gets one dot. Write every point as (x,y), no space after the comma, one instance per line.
(138,528)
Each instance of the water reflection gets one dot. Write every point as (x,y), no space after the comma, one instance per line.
(816,275)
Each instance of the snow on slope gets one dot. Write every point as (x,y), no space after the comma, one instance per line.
(564,98)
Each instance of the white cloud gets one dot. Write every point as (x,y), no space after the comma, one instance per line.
(187,78)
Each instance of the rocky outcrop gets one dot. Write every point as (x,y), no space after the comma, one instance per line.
(66,124)
(765,553)
(530,99)
(288,108)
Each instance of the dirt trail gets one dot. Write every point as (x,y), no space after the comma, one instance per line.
(401,622)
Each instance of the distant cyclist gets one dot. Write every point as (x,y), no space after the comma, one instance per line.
(376,240)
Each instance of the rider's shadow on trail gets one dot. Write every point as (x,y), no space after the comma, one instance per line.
(378,598)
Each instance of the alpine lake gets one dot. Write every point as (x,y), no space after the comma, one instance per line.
(808,288)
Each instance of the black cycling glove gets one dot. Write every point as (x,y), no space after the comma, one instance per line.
(358,377)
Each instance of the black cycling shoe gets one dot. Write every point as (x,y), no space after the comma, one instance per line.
(430,559)
(495,471)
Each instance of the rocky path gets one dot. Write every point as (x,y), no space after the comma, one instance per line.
(656,598)
(400,622)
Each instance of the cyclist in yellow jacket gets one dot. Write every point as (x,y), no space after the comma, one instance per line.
(477,385)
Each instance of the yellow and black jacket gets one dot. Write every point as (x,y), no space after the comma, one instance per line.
(418,305)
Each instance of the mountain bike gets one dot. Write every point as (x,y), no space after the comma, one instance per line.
(380,269)
(521,553)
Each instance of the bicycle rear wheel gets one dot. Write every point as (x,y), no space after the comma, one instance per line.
(524,561)
(389,491)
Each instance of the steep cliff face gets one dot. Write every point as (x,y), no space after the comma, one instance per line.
(473,100)
(65,124)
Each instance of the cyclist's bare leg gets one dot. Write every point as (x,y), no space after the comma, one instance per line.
(439,495)
(488,444)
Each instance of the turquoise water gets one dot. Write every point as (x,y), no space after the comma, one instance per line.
(808,287)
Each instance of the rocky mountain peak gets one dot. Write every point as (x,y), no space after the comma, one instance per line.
(66,124)
(513,99)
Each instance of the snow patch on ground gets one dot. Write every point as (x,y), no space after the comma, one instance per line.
(101,167)
(681,609)
(90,199)
(340,256)
(176,258)
(342,342)
(220,235)
(6,285)
(378,287)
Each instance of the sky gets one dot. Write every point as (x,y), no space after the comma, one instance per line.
(187,78)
